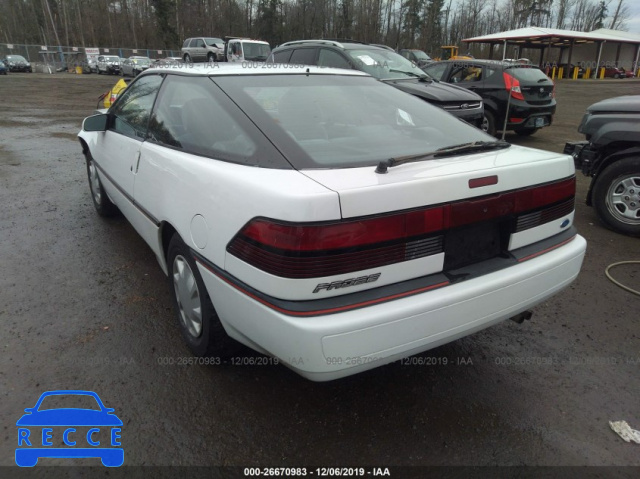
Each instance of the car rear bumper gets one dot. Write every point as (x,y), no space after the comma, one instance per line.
(527,114)
(327,347)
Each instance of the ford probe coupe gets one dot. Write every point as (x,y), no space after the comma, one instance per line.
(324,218)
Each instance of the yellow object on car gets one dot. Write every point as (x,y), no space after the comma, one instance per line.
(111,96)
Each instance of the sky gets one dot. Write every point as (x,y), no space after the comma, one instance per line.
(633,23)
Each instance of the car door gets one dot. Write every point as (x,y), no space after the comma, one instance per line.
(116,151)
(198,50)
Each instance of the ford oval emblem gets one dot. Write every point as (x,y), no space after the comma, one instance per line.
(564,224)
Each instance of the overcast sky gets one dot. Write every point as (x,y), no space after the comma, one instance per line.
(634,22)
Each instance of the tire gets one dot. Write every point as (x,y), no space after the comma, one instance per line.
(526,131)
(122,73)
(99,72)
(211,57)
(197,318)
(616,196)
(489,123)
(101,201)
(616,75)
(187,58)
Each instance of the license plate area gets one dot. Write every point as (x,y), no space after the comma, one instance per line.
(475,243)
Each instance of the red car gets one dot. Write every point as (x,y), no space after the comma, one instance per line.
(615,72)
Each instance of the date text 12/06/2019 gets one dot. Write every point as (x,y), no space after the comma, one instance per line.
(318,471)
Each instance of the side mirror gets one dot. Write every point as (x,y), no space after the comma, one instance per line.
(95,122)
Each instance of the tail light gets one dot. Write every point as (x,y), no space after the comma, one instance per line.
(512,84)
(299,250)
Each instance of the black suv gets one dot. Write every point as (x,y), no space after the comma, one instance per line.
(385,65)
(532,103)
(611,157)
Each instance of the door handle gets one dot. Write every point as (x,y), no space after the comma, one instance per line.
(137,163)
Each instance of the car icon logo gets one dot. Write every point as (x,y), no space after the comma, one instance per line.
(79,432)
(464,106)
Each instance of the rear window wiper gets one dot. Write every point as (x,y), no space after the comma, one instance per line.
(471,147)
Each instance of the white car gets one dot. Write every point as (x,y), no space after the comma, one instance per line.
(326,219)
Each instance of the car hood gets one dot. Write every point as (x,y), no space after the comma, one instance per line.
(620,103)
(69,417)
(435,91)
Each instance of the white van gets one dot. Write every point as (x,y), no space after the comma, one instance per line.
(246,49)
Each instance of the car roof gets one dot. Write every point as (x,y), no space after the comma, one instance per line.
(225,69)
(343,44)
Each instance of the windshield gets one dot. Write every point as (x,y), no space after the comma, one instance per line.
(16,58)
(111,59)
(142,61)
(420,55)
(384,64)
(329,121)
(214,42)
(256,51)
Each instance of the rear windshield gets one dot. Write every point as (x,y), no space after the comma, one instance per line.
(331,121)
(527,74)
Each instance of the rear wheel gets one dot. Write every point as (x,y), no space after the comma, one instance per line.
(101,201)
(197,317)
(526,131)
(616,196)
(488,123)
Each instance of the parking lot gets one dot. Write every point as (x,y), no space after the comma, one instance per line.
(84,305)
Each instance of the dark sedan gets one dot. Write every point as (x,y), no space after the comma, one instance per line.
(17,63)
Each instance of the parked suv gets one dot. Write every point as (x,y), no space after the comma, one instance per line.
(611,157)
(418,57)
(109,64)
(386,66)
(532,103)
(203,49)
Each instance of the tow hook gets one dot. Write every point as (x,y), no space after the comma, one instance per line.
(519,318)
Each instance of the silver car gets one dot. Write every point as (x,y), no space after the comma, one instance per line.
(133,66)
(203,49)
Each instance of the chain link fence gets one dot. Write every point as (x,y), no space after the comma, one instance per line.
(51,59)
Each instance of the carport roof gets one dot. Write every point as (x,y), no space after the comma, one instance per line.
(542,37)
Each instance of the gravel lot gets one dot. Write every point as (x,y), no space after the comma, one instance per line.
(84,305)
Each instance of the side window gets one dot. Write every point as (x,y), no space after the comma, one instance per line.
(132,110)
(304,56)
(466,73)
(186,43)
(282,57)
(189,117)
(437,70)
(199,43)
(329,58)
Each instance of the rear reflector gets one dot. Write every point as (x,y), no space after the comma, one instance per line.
(298,250)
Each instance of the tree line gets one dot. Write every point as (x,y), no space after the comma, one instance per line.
(165,24)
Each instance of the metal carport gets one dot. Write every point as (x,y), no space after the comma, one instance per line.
(593,49)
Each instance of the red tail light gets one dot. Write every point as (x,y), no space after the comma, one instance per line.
(294,250)
(512,84)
